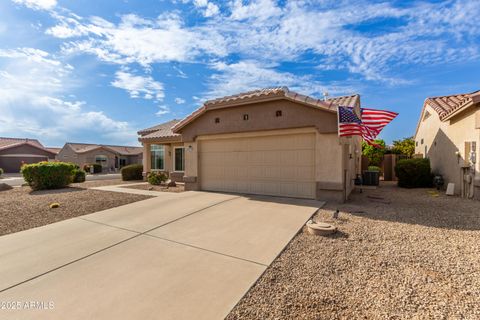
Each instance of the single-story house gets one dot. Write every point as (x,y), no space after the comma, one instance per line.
(54,149)
(110,157)
(448,133)
(16,151)
(269,141)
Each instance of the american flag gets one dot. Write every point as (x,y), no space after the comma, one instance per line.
(377,119)
(349,124)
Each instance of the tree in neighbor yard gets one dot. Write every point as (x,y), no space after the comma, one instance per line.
(374,155)
(405,146)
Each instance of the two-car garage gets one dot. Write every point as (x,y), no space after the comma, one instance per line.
(259,163)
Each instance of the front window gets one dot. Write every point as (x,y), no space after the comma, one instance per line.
(179,159)
(101,160)
(157,152)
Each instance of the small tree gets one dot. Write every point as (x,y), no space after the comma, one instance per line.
(374,155)
(405,146)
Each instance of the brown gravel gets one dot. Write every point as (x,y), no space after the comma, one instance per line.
(22,209)
(400,254)
(178,188)
(101,183)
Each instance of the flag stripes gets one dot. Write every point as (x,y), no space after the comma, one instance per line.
(369,126)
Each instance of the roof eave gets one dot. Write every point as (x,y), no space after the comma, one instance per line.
(458,111)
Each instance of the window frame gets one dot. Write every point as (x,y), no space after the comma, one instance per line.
(175,156)
(152,152)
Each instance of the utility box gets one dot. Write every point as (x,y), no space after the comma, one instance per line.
(371,178)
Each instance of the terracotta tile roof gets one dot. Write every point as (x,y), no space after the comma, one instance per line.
(10,142)
(268,94)
(448,105)
(53,149)
(163,130)
(122,150)
(346,101)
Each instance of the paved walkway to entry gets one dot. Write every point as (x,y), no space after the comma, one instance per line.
(189,255)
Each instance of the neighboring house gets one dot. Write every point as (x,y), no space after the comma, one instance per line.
(448,133)
(54,149)
(269,141)
(110,157)
(16,151)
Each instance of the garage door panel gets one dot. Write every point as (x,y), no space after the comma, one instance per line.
(282,165)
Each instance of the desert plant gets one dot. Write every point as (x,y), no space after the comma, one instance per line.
(414,173)
(78,175)
(374,154)
(157,178)
(405,146)
(97,168)
(132,172)
(48,175)
(374,168)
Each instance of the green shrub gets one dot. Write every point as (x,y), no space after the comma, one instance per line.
(97,168)
(132,172)
(374,168)
(157,178)
(48,175)
(1,172)
(414,173)
(78,175)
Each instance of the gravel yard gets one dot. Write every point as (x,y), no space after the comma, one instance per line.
(178,188)
(22,209)
(400,254)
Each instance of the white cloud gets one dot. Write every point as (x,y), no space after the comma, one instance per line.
(210,8)
(38,4)
(250,75)
(140,40)
(259,9)
(179,101)
(33,85)
(139,86)
(162,110)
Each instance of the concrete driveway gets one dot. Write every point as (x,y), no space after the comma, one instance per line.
(191,255)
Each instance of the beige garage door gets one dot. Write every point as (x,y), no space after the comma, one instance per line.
(281,165)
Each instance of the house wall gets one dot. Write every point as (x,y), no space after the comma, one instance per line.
(67,154)
(261,116)
(11,158)
(443,140)
(334,168)
(175,176)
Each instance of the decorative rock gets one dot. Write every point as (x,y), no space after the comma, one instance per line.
(321,229)
(5,187)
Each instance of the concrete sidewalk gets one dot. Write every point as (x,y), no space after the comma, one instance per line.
(189,255)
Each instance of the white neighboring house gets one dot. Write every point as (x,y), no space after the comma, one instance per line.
(448,133)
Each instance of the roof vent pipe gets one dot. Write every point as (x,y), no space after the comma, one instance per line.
(325,95)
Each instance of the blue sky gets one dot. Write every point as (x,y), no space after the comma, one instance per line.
(98,71)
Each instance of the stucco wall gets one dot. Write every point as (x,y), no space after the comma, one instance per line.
(261,116)
(11,158)
(443,139)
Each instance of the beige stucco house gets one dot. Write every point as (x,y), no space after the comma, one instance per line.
(269,141)
(112,158)
(448,133)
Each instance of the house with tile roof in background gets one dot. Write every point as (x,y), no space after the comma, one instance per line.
(271,141)
(110,157)
(448,133)
(16,151)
